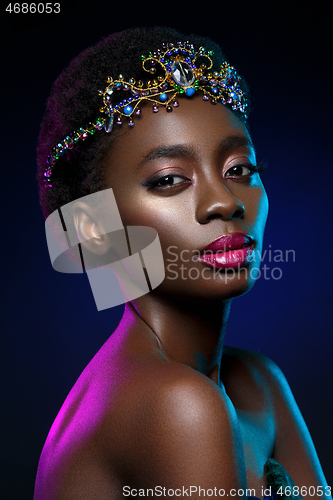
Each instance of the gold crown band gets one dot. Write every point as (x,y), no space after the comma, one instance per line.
(176,69)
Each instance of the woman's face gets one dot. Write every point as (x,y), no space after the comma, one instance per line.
(190,175)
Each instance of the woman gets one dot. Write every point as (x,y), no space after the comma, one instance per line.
(165,408)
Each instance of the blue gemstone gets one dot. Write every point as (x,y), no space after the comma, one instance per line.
(163,97)
(189,91)
(128,110)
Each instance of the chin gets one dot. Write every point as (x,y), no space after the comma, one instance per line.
(204,283)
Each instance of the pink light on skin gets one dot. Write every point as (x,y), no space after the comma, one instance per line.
(85,409)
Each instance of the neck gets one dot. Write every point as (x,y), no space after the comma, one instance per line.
(190,333)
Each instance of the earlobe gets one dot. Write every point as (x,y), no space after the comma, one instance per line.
(89,229)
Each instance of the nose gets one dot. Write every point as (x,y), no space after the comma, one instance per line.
(217,201)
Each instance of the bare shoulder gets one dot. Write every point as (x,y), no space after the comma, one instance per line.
(176,426)
(251,374)
(258,372)
(145,414)
(251,379)
(263,383)
(169,394)
(236,357)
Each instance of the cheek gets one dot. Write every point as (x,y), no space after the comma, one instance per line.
(262,211)
(255,200)
(257,213)
(138,209)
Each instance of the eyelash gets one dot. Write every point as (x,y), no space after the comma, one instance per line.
(253,169)
(153,183)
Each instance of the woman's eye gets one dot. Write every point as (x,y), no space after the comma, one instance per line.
(169,180)
(165,181)
(240,171)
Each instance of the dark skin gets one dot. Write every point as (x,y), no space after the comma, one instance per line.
(164,402)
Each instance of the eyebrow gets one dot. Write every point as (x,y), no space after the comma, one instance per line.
(234,142)
(184,151)
(172,151)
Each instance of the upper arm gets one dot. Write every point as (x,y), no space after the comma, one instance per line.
(184,433)
(294,447)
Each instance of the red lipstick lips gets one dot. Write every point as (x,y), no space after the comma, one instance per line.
(229,251)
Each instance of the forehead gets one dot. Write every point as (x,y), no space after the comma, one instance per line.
(197,124)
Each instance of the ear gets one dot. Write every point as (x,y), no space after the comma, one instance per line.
(89,229)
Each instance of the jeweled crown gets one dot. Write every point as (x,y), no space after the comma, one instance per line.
(175,69)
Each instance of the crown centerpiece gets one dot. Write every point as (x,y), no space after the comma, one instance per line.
(173,69)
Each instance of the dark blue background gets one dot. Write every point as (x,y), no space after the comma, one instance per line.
(50,326)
